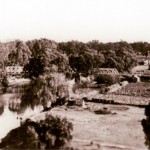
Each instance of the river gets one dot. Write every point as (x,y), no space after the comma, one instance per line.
(8,119)
(10,113)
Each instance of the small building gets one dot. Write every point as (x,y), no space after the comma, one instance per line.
(14,70)
(143,60)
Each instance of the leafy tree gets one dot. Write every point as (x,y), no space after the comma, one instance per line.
(77,63)
(45,51)
(85,62)
(96,45)
(20,55)
(72,47)
(34,68)
(4,83)
(43,70)
(81,58)
(51,133)
(106,79)
(5,49)
(120,55)
(141,47)
(45,90)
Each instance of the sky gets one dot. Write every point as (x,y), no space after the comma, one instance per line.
(82,20)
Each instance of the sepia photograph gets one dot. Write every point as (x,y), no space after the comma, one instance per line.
(74,75)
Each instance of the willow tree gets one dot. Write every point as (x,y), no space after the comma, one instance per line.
(47,83)
(45,90)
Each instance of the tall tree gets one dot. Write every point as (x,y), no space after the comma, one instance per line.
(45,90)
(34,68)
(20,55)
(120,55)
(46,52)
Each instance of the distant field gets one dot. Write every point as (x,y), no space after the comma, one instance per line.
(135,89)
(132,94)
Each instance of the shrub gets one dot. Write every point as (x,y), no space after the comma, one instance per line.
(102,111)
(4,84)
(146,126)
(103,90)
(107,79)
(84,84)
(51,133)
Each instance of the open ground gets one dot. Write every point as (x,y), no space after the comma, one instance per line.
(120,130)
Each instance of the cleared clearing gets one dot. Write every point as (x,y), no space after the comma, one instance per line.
(120,131)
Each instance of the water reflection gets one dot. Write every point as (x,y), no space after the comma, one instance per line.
(1,109)
(14,104)
(8,121)
(11,114)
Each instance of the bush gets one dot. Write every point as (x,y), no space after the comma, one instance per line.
(103,90)
(107,79)
(102,111)
(146,126)
(84,84)
(4,84)
(51,133)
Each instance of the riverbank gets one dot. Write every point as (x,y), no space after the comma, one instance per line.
(119,130)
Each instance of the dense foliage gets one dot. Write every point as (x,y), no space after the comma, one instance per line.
(45,90)
(34,68)
(146,126)
(44,69)
(46,52)
(4,84)
(107,79)
(51,133)
(19,55)
(85,56)
(80,57)
(44,58)
(141,47)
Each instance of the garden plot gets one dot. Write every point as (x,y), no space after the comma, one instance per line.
(135,89)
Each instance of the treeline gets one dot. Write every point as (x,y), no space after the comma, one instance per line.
(93,54)
(73,55)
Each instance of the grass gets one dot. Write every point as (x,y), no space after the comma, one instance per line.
(90,129)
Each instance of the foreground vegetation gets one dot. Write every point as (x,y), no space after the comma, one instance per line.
(146,126)
(51,133)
